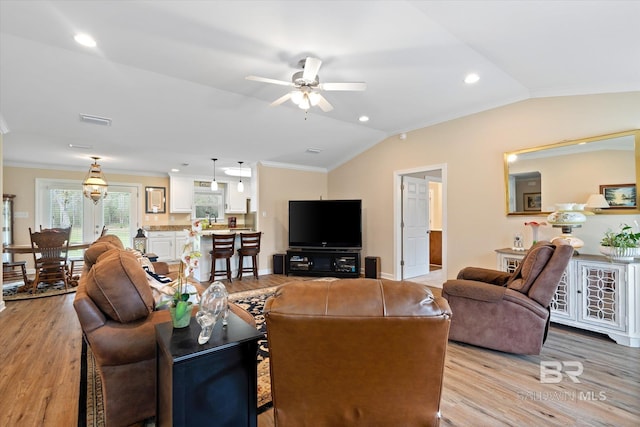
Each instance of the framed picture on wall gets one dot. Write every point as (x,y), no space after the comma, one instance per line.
(532,202)
(155,200)
(620,196)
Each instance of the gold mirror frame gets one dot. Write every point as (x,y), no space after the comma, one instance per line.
(155,200)
(623,211)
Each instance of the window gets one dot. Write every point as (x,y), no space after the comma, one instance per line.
(207,203)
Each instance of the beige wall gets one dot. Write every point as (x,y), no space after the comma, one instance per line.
(276,186)
(472,149)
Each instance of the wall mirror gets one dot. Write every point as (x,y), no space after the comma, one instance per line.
(155,200)
(538,178)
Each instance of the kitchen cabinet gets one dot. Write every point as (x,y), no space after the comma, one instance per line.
(163,244)
(594,294)
(237,201)
(180,194)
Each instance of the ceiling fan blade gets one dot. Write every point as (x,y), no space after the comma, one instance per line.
(324,104)
(281,100)
(272,81)
(343,86)
(311,67)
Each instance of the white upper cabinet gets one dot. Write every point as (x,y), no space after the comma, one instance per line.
(237,201)
(180,194)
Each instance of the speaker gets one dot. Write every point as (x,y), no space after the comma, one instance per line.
(278,264)
(372,267)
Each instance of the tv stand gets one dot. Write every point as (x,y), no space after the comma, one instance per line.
(321,262)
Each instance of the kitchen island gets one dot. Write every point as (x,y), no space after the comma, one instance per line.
(204,244)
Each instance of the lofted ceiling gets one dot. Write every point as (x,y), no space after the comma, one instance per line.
(171,74)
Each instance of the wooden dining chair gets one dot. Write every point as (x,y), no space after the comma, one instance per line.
(14,271)
(223,248)
(249,247)
(50,248)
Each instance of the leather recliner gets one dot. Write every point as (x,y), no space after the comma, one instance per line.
(356,352)
(503,311)
(115,306)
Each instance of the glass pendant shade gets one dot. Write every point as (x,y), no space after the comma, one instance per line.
(240,184)
(214,183)
(95,185)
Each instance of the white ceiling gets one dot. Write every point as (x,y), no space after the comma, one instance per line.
(171,74)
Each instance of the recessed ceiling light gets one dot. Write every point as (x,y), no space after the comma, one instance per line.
(363,118)
(85,40)
(82,147)
(313,150)
(242,172)
(471,78)
(97,120)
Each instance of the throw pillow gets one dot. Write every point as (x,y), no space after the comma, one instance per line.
(118,286)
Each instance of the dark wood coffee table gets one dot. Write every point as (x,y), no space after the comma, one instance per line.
(214,384)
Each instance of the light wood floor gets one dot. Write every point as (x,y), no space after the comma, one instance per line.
(40,349)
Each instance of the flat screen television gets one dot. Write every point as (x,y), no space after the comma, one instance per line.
(330,224)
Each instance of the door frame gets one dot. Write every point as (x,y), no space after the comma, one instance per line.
(397,216)
(40,184)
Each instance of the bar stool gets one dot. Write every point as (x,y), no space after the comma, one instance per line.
(14,271)
(249,246)
(223,246)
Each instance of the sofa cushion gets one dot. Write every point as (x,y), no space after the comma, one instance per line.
(118,286)
(530,268)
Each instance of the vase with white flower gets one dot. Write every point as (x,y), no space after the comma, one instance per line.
(181,307)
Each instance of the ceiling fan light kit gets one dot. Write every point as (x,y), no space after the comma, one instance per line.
(307,86)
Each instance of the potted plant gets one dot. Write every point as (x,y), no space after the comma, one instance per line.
(180,305)
(623,245)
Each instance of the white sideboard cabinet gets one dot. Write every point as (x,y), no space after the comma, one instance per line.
(594,294)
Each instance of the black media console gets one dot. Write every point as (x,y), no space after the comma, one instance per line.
(302,262)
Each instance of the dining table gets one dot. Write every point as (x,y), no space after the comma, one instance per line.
(27,249)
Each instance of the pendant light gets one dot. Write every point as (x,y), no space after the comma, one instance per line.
(214,183)
(94,186)
(240,184)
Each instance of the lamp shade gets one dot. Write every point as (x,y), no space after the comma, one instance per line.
(597,201)
(95,186)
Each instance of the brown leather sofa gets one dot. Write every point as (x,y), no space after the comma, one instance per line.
(356,352)
(115,307)
(504,311)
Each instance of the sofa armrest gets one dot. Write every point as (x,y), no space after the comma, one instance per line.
(471,289)
(493,277)
(123,343)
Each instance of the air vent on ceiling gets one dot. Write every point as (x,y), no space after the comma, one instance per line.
(96,120)
(313,150)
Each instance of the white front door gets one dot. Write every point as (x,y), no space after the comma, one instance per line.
(415,231)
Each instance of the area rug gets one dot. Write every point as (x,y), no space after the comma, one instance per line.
(15,292)
(91,409)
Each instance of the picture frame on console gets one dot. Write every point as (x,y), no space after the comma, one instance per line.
(620,196)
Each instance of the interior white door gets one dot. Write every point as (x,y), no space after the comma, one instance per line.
(415,231)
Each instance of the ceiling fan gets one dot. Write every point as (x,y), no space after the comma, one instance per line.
(307,86)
